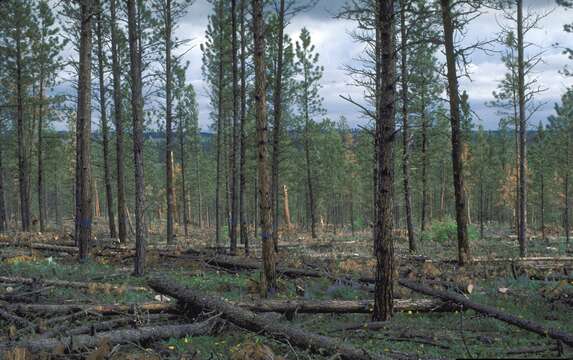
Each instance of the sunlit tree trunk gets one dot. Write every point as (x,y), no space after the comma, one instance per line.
(262,158)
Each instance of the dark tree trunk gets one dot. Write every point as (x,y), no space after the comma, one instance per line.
(405,129)
(566,214)
(137,114)
(384,242)
(23,168)
(457,146)
(234,150)
(269,266)
(104,130)
(3,222)
(40,183)
(424,150)
(309,182)
(183,182)
(243,175)
(521,235)
(84,129)
(219,134)
(169,127)
(117,95)
(277,104)
(542,210)
(481,211)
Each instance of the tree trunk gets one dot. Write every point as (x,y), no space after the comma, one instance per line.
(542,210)
(243,175)
(40,189)
(137,114)
(183,182)
(262,158)
(117,103)
(3,220)
(277,104)
(405,129)
(566,214)
(84,129)
(481,211)
(235,146)
(286,209)
(424,156)
(383,238)
(220,135)
(457,146)
(521,235)
(104,129)
(169,126)
(23,169)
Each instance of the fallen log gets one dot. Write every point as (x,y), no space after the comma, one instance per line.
(93,286)
(99,309)
(342,306)
(490,311)
(249,320)
(231,263)
(75,343)
(107,325)
(14,319)
(45,247)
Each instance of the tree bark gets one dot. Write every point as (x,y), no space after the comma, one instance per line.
(340,306)
(262,140)
(118,117)
(144,334)
(84,129)
(3,220)
(424,150)
(40,181)
(286,209)
(220,134)
(243,175)
(169,126)
(183,182)
(253,322)
(521,235)
(104,128)
(23,168)
(111,309)
(405,129)
(457,140)
(383,238)
(491,311)
(137,115)
(235,133)
(277,105)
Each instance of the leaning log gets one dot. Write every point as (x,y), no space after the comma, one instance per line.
(14,319)
(99,309)
(93,286)
(490,311)
(341,306)
(75,343)
(249,320)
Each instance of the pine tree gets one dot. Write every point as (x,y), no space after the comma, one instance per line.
(310,106)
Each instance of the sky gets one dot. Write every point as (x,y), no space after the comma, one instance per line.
(336,48)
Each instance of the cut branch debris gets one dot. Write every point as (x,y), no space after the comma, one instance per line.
(490,311)
(253,322)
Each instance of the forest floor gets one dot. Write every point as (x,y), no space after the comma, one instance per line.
(540,291)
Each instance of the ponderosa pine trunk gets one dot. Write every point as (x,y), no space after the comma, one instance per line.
(405,129)
(219,133)
(424,155)
(235,145)
(542,209)
(3,220)
(23,168)
(277,105)
(383,238)
(183,182)
(84,128)
(243,175)
(40,180)
(269,266)
(118,117)
(137,115)
(104,128)
(457,146)
(521,235)
(169,127)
